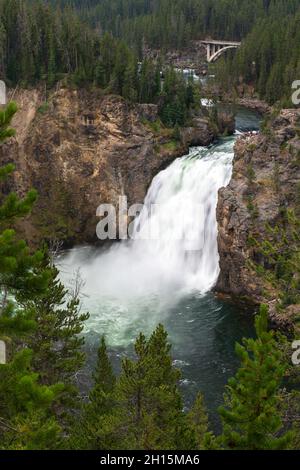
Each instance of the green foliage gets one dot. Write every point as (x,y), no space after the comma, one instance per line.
(198,421)
(25,418)
(262,60)
(142,409)
(96,428)
(281,258)
(151,406)
(20,275)
(251,177)
(39,42)
(103,376)
(169,146)
(251,419)
(40,320)
(53,214)
(43,43)
(156,126)
(56,344)
(70,48)
(178,98)
(252,208)
(26,421)
(40,324)
(150,81)
(6,116)
(43,108)
(169,24)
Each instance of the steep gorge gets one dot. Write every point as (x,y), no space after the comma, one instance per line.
(266,175)
(80,149)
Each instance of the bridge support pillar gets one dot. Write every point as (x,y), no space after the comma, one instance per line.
(215,48)
(208,52)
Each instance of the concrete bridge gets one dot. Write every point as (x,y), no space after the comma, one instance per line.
(216,48)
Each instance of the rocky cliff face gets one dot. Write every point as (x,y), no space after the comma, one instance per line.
(81,149)
(266,177)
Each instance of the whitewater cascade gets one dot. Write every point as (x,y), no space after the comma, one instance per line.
(132,286)
(180,211)
(181,255)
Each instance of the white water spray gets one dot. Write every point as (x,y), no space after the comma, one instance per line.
(184,196)
(184,257)
(136,285)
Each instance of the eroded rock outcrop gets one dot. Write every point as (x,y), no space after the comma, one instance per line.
(80,149)
(266,177)
(199,133)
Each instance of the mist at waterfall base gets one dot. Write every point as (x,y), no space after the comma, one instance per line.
(135,285)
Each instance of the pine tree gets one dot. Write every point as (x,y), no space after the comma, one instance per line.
(20,273)
(150,405)
(251,418)
(118,77)
(103,376)
(96,428)
(26,420)
(25,416)
(143,408)
(176,99)
(129,90)
(6,116)
(100,75)
(150,81)
(199,425)
(57,343)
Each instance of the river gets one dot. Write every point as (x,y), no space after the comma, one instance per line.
(133,286)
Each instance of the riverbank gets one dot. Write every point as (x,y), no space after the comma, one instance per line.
(135,285)
(265,182)
(248,102)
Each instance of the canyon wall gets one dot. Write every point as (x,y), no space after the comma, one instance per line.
(80,149)
(266,178)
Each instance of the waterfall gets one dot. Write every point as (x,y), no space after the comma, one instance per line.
(165,273)
(184,254)
(174,251)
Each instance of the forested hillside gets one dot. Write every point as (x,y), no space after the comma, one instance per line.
(91,121)
(88,41)
(169,23)
(40,43)
(269,59)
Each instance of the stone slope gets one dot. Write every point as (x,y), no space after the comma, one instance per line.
(266,177)
(82,149)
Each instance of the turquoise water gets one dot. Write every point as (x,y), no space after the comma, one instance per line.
(202,330)
(131,289)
